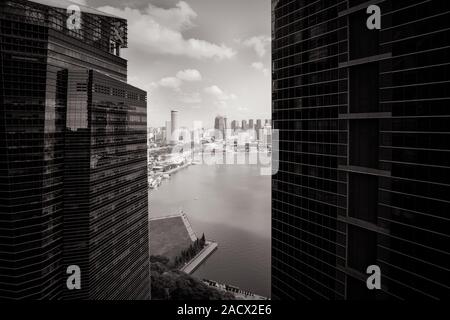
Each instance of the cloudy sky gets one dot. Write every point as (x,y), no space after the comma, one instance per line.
(200,57)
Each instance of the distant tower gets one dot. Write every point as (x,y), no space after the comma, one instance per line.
(251,124)
(174,117)
(258,128)
(219,127)
(233,125)
(244,125)
(225,127)
(168,132)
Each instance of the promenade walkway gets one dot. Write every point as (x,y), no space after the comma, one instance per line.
(192,265)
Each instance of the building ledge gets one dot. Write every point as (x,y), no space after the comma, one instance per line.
(364,224)
(364,170)
(365,60)
(369,115)
(359,7)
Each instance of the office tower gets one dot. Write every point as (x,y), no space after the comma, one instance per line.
(258,129)
(174,134)
(259,123)
(251,124)
(364,141)
(233,125)
(225,127)
(168,132)
(219,128)
(244,125)
(73,171)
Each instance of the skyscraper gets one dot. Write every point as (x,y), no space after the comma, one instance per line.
(234,125)
(364,172)
(168,132)
(258,129)
(174,134)
(244,125)
(219,127)
(73,173)
(225,127)
(251,124)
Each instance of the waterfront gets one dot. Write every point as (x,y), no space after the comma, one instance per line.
(231,205)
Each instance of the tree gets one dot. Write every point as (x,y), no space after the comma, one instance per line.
(203,241)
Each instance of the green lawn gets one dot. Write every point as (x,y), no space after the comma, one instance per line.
(168,237)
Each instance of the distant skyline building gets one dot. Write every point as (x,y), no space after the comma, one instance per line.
(73,171)
(168,132)
(364,172)
(174,136)
(219,127)
(233,125)
(251,124)
(259,124)
(225,127)
(258,129)
(244,125)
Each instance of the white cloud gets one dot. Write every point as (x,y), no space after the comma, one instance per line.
(214,90)
(189,75)
(170,82)
(260,44)
(219,94)
(260,67)
(178,18)
(222,99)
(160,31)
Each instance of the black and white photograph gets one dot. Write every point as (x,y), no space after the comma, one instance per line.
(225,158)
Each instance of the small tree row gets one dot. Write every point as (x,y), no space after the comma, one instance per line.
(191,252)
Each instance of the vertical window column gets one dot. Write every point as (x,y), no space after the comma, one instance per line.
(362,169)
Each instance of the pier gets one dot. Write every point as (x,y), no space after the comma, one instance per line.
(201,257)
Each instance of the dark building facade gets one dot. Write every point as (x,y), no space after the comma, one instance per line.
(73,171)
(364,161)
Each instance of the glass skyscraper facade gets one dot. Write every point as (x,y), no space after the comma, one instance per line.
(364,163)
(73,171)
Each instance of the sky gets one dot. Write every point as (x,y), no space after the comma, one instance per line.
(202,58)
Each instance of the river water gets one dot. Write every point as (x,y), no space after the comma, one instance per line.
(231,204)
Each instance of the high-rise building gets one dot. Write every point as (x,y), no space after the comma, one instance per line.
(364,171)
(251,124)
(225,127)
(258,129)
(73,168)
(174,132)
(244,125)
(234,125)
(168,132)
(219,127)
(259,124)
